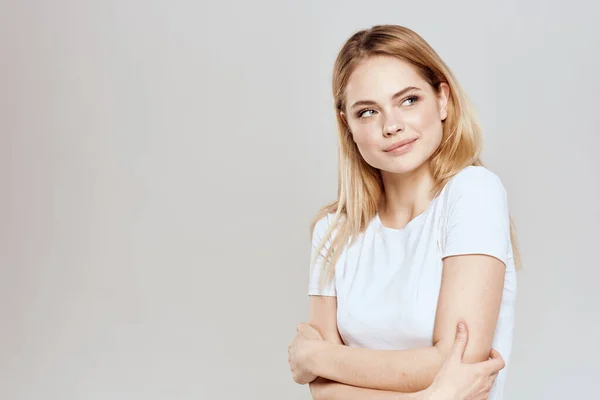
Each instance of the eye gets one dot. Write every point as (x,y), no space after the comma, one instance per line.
(409,101)
(364,113)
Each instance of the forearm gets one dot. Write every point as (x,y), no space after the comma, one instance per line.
(323,389)
(406,371)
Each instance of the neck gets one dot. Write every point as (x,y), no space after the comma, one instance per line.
(406,195)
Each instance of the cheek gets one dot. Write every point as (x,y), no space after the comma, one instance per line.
(365,136)
(368,142)
(428,126)
(424,121)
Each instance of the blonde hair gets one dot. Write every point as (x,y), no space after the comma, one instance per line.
(360,186)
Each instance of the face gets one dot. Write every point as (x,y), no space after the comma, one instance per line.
(394,115)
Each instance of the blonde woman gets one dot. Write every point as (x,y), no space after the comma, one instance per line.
(419,237)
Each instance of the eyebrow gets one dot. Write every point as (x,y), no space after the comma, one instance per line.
(395,96)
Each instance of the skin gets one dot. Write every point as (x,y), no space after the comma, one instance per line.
(380,111)
(455,380)
(417,113)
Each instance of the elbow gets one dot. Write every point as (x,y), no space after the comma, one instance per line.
(317,389)
(316,394)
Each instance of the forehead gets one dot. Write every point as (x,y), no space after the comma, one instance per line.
(380,77)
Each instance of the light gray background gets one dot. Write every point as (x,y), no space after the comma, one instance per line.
(160,162)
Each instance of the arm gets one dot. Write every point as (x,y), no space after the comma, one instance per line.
(455,380)
(404,371)
(471,290)
(323,311)
(323,389)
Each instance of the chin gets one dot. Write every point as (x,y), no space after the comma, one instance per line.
(401,170)
(402,165)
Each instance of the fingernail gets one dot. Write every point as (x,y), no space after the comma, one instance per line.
(460,327)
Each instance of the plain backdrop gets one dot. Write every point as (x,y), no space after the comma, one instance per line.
(160,162)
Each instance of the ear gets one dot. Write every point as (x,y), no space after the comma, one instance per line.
(343,116)
(443,94)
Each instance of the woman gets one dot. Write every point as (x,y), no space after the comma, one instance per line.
(420,236)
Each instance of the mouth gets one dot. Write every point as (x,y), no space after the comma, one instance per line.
(401,146)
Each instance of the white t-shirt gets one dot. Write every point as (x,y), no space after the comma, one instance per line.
(387,282)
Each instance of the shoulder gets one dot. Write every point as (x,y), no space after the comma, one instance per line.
(475,174)
(324,221)
(474,180)
(322,225)
(475,191)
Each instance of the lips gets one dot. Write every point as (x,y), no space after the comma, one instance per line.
(399,144)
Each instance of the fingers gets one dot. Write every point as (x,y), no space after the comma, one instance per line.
(485,387)
(462,334)
(494,364)
(460,341)
(494,354)
(490,381)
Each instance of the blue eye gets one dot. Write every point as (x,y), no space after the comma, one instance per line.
(361,114)
(413,100)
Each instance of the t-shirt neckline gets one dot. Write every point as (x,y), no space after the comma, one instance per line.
(410,223)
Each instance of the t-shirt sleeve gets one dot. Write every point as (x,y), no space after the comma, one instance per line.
(316,269)
(477,216)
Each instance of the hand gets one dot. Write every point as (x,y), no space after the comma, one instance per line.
(459,381)
(299,353)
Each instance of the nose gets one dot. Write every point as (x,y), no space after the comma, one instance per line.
(392,127)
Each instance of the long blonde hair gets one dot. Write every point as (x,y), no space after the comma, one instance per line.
(360,186)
